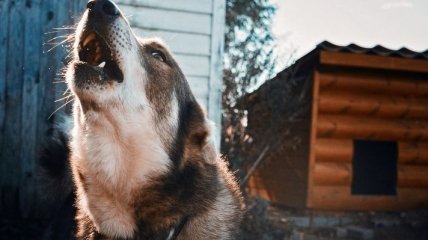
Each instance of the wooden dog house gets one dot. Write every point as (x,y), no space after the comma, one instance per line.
(360,117)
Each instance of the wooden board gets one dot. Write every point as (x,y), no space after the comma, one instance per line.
(257,187)
(340,198)
(4,19)
(216,66)
(196,6)
(180,43)
(10,154)
(375,83)
(195,66)
(161,19)
(372,104)
(341,150)
(332,174)
(199,87)
(313,133)
(342,126)
(412,176)
(334,150)
(33,50)
(373,62)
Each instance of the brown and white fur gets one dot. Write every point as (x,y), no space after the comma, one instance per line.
(142,157)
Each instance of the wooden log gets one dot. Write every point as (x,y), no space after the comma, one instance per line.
(379,105)
(370,128)
(370,83)
(332,174)
(256,187)
(413,152)
(413,176)
(341,150)
(340,198)
(333,150)
(313,132)
(373,61)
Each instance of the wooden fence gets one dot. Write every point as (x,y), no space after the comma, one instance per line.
(28,71)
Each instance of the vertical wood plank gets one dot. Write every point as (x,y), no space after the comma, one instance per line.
(216,66)
(10,153)
(48,66)
(26,94)
(4,19)
(32,49)
(60,52)
(312,138)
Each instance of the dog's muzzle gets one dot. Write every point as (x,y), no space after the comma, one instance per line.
(94,48)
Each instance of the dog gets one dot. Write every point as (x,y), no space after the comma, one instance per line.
(142,158)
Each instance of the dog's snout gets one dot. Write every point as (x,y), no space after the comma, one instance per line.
(103,8)
(110,8)
(90,4)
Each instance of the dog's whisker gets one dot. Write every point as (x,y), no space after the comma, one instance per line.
(66,91)
(51,32)
(57,31)
(60,36)
(55,82)
(50,42)
(60,108)
(65,28)
(68,54)
(63,98)
(60,43)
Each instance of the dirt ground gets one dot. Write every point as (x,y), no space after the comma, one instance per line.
(266,221)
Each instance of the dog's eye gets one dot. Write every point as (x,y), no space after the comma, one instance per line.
(158,55)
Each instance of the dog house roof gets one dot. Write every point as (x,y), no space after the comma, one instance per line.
(376,50)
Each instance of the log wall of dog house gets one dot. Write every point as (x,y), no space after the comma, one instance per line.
(352,106)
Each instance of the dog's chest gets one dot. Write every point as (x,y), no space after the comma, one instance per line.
(117,158)
(122,152)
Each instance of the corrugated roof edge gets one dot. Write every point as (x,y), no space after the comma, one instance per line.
(310,58)
(376,50)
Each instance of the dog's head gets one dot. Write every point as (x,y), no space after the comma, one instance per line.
(113,72)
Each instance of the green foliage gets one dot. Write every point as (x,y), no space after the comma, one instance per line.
(249,59)
(249,42)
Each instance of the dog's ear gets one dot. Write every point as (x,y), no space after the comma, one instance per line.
(199,135)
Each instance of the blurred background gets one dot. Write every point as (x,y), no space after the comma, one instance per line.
(321,108)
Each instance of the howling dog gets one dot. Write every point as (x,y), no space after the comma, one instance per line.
(142,159)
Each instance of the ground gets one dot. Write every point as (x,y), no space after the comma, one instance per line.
(268,221)
(264,220)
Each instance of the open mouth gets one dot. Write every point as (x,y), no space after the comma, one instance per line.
(94,51)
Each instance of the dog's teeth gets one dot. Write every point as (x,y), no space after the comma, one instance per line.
(102,64)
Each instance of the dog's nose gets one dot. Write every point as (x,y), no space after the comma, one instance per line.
(103,7)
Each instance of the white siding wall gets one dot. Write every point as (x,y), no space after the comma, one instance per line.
(194,30)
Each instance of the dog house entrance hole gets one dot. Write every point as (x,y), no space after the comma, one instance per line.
(374,168)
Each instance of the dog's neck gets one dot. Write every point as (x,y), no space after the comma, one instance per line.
(118,153)
(117,144)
